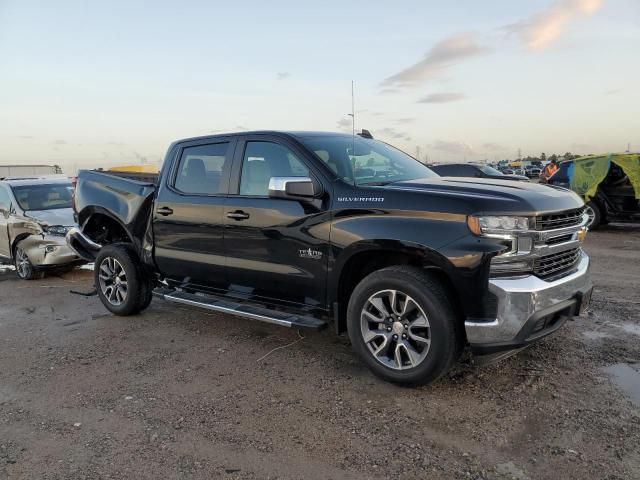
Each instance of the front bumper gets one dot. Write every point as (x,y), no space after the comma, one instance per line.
(528,309)
(49,251)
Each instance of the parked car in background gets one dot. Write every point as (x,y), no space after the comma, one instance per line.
(476,170)
(609,184)
(532,171)
(35,215)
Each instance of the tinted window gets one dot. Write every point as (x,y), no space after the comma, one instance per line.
(362,161)
(263,160)
(43,197)
(487,170)
(202,169)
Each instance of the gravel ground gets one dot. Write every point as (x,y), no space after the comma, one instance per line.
(178,393)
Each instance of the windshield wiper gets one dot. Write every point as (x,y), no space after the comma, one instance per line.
(377,184)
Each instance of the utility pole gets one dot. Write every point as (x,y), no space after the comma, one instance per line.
(519,154)
(418,152)
(353,120)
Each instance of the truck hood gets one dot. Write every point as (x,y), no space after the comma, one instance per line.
(496,196)
(58,216)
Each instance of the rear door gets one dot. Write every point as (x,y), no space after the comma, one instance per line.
(277,249)
(188,213)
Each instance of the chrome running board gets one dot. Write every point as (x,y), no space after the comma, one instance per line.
(245,310)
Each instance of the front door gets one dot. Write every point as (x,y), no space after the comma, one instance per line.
(188,216)
(5,208)
(277,249)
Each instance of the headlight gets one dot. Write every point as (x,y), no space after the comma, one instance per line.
(56,230)
(502,224)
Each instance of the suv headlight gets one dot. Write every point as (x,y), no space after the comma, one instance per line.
(56,230)
(499,224)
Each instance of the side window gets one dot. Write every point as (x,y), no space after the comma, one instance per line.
(202,169)
(263,160)
(5,200)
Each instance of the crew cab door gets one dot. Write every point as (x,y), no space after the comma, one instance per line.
(277,249)
(188,214)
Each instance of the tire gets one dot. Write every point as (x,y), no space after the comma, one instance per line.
(435,344)
(595,215)
(119,280)
(147,292)
(24,267)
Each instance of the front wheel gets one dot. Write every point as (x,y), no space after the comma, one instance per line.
(402,325)
(595,215)
(119,281)
(24,267)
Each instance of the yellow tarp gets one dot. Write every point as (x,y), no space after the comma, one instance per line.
(630,165)
(589,172)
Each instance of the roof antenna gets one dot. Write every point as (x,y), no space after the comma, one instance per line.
(353,121)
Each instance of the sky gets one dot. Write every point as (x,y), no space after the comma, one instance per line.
(85,84)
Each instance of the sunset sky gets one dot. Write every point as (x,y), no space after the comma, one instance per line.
(86,84)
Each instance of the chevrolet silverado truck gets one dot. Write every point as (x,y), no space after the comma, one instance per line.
(306,229)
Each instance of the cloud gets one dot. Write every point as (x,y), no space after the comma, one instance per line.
(404,121)
(116,144)
(442,56)
(494,147)
(442,97)
(615,91)
(282,75)
(26,137)
(59,142)
(542,29)
(345,123)
(390,132)
(453,147)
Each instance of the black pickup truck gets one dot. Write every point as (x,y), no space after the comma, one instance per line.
(306,229)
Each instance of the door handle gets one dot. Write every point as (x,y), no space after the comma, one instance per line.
(164,211)
(238,215)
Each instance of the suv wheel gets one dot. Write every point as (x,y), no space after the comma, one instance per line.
(402,325)
(121,285)
(24,267)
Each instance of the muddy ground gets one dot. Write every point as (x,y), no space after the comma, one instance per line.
(178,393)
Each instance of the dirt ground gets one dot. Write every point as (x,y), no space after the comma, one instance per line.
(178,393)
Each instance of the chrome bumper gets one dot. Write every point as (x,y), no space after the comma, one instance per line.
(529,308)
(82,245)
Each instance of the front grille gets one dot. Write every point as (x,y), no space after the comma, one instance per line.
(570,218)
(560,239)
(550,265)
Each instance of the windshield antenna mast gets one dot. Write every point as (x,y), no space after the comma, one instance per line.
(353,121)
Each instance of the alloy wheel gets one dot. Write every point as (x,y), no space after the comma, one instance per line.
(23,265)
(395,329)
(113,281)
(591,214)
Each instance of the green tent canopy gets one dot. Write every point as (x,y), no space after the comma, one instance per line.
(589,172)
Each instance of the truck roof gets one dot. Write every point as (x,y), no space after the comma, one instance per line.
(282,133)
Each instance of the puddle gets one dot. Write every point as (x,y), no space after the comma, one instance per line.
(627,379)
(631,328)
(595,335)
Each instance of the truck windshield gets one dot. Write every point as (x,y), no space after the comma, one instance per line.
(362,161)
(43,197)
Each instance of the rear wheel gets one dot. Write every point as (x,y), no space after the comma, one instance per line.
(402,325)
(594,213)
(121,285)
